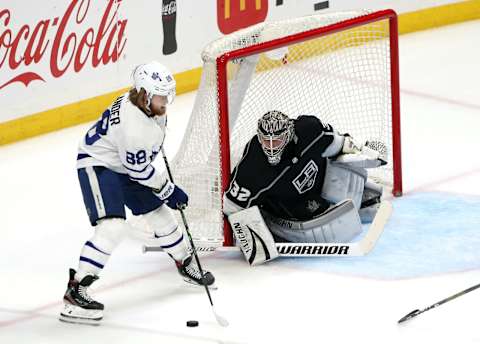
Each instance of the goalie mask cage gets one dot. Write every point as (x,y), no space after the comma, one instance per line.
(341,67)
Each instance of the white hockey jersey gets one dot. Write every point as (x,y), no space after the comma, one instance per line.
(126,141)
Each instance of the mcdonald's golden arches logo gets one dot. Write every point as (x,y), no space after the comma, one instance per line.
(233,15)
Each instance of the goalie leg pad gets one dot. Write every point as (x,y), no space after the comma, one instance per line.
(340,223)
(344,182)
(253,236)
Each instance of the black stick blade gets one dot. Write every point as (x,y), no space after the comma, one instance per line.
(410,315)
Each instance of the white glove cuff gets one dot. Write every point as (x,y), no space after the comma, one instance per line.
(166,190)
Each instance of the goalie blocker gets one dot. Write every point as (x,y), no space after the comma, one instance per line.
(257,244)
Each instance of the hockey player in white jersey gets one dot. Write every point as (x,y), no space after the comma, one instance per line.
(114,171)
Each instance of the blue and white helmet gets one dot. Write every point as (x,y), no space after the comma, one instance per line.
(156,79)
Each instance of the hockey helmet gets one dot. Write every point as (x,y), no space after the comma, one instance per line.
(274,132)
(156,79)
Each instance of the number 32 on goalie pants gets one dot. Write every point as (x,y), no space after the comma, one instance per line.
(240,193)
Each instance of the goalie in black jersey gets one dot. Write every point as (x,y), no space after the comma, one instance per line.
(301,181)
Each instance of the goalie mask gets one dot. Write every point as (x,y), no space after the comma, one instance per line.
(275,130)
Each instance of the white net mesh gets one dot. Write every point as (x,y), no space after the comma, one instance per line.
(343,78)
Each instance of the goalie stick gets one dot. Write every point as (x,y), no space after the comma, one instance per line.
(359,248)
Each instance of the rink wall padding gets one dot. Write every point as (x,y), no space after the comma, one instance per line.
(89,109)
(439,16)
(77,113)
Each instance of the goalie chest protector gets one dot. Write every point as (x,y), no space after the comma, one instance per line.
(291,189)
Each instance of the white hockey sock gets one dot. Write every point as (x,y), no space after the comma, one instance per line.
(95,253)
(92,260)
(173,244)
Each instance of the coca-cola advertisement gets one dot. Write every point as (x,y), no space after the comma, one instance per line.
(59,43)
(169,22)
(36,50)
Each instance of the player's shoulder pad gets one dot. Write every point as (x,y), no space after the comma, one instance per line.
(251,147)
(311,124)
(120,103)
(135,129)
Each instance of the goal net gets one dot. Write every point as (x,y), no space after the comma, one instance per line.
(341,67)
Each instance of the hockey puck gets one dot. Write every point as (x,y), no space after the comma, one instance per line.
(192,323)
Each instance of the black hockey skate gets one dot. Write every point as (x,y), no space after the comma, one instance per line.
(79,307)
(191,274)
(371,199)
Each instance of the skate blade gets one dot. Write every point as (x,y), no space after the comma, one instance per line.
(77,315)
(192,282)
(78,320)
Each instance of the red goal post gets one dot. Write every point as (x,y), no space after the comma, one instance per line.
(222,80)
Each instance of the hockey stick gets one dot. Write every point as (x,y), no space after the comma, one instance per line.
(221,320)
(146,248)
(416,312)
(360,248)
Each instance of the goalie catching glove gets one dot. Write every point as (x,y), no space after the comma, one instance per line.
(370,154)
(172,195)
